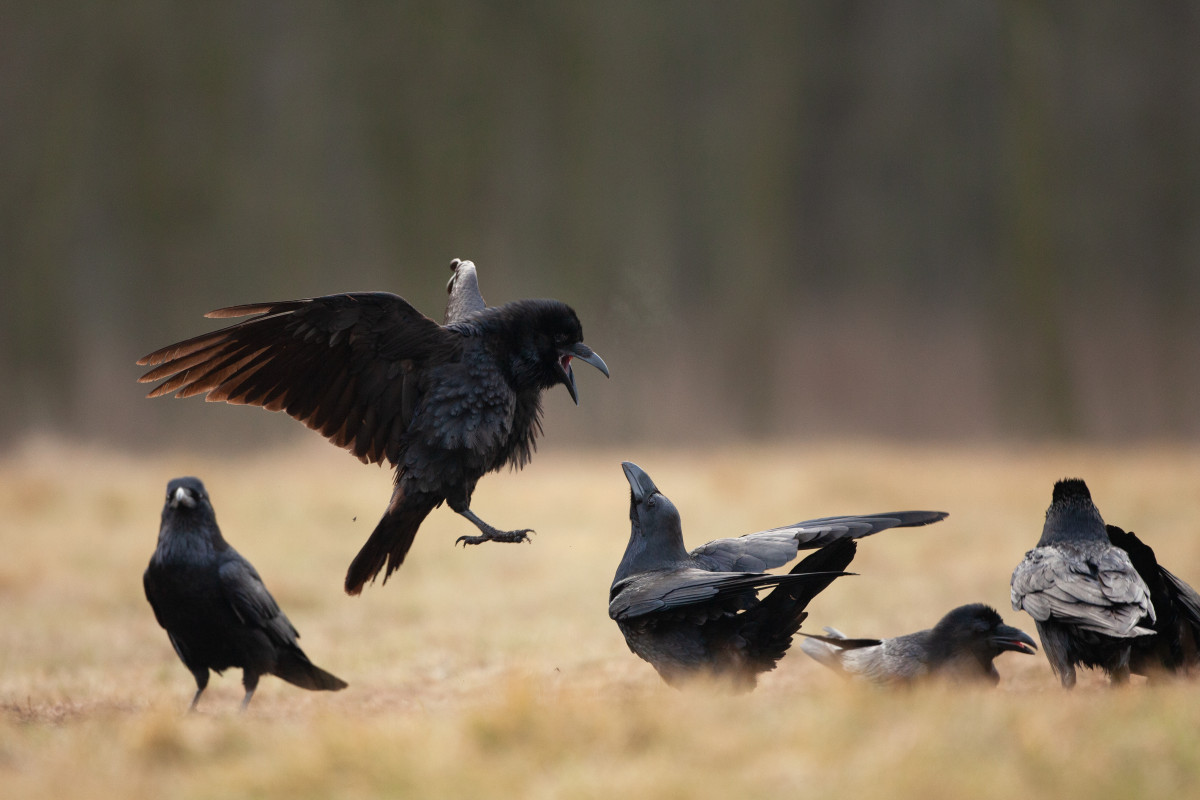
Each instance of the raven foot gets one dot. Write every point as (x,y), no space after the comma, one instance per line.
(494,535)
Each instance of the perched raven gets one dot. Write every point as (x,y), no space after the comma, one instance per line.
(443,404)
(214,606)
(699,613)
(1175,645)
(960,647)
(1084,594)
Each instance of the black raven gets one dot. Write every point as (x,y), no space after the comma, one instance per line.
(214,606)
(1175,645)
(960,647)
(1085,596)
(698,613)
(443,404)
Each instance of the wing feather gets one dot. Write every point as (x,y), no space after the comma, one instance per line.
(344,365)
(756,552)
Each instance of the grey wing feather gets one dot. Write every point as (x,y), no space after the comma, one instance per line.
(764,550)
(251,601)
(1099,591)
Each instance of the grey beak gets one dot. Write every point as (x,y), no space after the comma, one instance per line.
(182,497)
(586,355)
(1009,638)
(639,481)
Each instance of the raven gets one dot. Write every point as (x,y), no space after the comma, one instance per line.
(960,647)
(1175,646)
(1088,601)
(214,606)
(443,404)
(698,613)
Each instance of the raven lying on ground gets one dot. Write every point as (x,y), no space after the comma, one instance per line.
(698,613)
(443,404)
(214,606)
(960,647)
(1087,599)
(1175,645)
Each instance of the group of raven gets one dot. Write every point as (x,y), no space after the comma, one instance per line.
(446,404)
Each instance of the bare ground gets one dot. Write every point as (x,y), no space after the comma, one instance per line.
(495,672)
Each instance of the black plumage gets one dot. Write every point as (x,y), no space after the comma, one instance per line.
(1175,645)
(698,613)
(213,604)
(1088,601)
(960,647)
(443,404)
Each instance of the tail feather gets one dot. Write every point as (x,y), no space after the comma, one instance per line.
(822,652)
(777,618)
(295,668)
(388,543)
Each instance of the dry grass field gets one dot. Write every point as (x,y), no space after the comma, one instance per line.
(495,671)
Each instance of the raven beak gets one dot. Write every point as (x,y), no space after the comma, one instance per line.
(639,482)
(1009,638)
(457,266)
(585,354)
(183,497)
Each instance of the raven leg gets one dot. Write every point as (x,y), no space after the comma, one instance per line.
(250,681)
(201,676)
(1057,647)
(488,533)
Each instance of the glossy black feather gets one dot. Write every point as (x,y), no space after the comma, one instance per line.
(443,404)
(213,604)
(698,613)
(1086,598)
(960,647)
(1175,645)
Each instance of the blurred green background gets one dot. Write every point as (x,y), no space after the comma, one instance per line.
(948,220)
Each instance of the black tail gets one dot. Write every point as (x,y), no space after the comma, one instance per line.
(389,542)
(776,619)
(295,668)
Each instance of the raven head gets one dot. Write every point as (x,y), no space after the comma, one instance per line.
(978,628)
(188,504)
(548,337)
(652,515)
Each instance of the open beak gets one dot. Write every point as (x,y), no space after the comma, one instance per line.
(1009,638)
(639,482)
(182,497)
(585,354)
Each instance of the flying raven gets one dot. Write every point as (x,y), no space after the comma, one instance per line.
(691,613)
(1088,601)
(443,404)
(214,606)
(1175,645)
(960,647)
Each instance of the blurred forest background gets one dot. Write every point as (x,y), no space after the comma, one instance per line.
(947,220)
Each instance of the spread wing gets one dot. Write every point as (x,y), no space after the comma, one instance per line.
(1096,589)
(346,365)
(764,550)
(252,603)
(690,589)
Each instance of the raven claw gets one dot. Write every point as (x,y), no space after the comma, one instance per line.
(511,537)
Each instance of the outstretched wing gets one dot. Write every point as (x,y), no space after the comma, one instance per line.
(1096,590)
(252,603)
(346,365)
(688,589)
(764,550)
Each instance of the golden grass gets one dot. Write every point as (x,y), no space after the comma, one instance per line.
(495,672)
